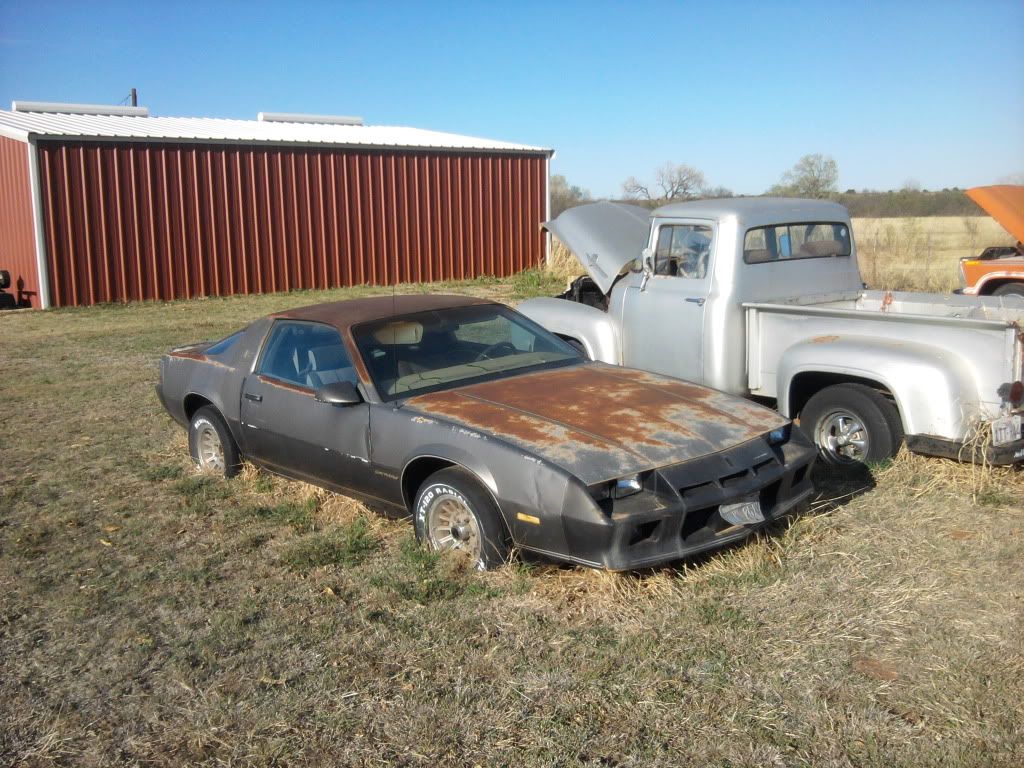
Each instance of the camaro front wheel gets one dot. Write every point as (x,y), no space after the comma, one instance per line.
(210,443)
(453,514)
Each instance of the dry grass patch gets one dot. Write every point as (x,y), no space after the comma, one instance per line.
(922,254)
(150,615)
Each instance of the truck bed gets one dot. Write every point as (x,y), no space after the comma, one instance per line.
(894,305)
(977,342)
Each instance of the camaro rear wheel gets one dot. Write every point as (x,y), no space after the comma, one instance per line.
(852,425)
(211,445)
(453,514)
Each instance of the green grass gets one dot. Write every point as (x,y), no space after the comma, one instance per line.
(346,546)
(150,615)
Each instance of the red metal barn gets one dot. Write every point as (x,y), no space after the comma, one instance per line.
(107,204)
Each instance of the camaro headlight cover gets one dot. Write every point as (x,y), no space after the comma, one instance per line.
(627,486)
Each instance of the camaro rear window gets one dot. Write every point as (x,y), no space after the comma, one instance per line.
(224,345)
(781,242)
(430,351)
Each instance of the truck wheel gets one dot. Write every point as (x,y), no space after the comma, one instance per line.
(211,445)
(1009,289)
(453,514)
(852,425)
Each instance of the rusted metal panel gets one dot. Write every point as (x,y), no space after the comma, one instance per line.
(127,222)
(602,421)
(17,247)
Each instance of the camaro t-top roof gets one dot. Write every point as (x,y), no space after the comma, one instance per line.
(344,314)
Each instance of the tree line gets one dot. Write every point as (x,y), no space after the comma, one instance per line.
(813,176)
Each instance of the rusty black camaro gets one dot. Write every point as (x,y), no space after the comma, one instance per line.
(489,430)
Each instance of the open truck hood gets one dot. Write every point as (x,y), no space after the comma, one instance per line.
(1004,203)
(604,237)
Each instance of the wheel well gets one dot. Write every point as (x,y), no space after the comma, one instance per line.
(805,385)
(575,342)
(417,471)
(193,403)
(989,287)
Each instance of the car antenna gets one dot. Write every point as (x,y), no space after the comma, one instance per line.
(394,331)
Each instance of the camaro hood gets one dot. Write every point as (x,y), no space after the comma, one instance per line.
(604,237)
(599,421)
(1005,204)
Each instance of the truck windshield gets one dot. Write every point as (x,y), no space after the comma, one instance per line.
(441,349)
(796,241)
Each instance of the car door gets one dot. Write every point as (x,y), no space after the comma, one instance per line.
(663,324)
(285,427)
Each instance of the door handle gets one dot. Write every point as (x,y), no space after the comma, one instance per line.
(699,302)
(254,398)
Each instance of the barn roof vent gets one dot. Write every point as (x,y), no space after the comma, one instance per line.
(57,107)
(291,117)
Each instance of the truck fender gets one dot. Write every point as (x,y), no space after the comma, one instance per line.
(594,329)
(931,385)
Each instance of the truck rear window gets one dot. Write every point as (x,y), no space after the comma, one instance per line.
(781,242)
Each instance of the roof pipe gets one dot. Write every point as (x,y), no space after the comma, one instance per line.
(56,107)
(295,117)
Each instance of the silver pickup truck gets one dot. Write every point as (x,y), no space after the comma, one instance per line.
(763,297)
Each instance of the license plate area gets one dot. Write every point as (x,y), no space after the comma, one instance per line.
(745,512)
(1006,429)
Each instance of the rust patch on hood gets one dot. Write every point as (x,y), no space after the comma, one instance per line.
(600,421)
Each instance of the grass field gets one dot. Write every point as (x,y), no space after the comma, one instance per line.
(922,253)
(152,616)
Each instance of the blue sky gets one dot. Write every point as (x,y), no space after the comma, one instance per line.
(931,92)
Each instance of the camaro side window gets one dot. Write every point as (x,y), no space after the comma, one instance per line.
(307,354)
(796,241)
(683,250)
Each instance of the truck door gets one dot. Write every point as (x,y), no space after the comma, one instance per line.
(663,325)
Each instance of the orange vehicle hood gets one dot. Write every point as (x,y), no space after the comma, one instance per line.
(1005,204)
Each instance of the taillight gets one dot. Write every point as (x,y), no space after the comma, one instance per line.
(1016,393)
(1012,393)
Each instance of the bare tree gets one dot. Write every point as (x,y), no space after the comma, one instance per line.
(674,182)
(633,189)
(565,195)
(814,175)
(679,182)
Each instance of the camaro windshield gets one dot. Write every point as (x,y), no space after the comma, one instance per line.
(442,349)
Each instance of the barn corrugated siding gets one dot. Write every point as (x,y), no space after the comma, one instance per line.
(131,221)
(17,238)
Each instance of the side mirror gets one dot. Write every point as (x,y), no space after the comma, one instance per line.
(647,260)
(339,393)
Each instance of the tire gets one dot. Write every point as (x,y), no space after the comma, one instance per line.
(852,425)
(211,445)
(452,513)
(1009,289)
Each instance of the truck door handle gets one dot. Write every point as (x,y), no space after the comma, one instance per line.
(699,302)
(254,398)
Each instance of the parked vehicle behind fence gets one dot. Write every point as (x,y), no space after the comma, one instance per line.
(763,297)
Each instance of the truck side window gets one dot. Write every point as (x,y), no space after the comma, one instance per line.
(683,250)
(782,242)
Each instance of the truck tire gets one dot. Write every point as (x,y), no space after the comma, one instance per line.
(852,425)
(1009,289)
(453,514)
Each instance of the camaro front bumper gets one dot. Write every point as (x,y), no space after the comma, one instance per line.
(679,512)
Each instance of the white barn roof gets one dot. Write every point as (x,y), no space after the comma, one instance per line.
(24,126)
